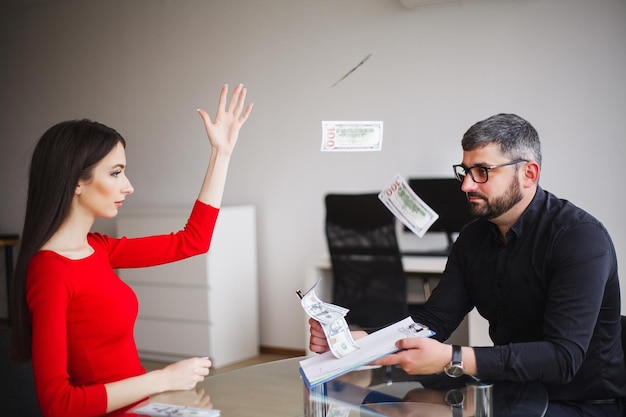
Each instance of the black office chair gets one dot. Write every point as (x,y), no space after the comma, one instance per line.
(368,277)
(17,386)
(623,334)
(623,321)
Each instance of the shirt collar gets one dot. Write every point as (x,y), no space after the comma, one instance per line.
(531,213)
(528,217)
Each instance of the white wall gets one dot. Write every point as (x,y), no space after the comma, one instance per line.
(144,66)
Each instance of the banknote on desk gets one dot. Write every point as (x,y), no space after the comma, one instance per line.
(171,410)
(321,368)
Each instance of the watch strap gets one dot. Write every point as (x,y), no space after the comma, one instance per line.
(454,368)
(456,355)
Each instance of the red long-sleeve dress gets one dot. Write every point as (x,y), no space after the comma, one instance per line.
(83,314)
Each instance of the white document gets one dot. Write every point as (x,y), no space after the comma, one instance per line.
(324,367)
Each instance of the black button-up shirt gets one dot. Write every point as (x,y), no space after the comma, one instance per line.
(551,295)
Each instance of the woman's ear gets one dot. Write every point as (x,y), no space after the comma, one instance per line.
(78,190)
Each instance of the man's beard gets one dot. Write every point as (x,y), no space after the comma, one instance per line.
(497,206)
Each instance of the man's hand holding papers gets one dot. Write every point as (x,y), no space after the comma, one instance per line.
(332,319)
(345,354)
(326,366)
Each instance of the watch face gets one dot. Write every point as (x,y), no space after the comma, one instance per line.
(454,397)
(454,370)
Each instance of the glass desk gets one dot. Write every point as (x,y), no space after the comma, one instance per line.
(275,389)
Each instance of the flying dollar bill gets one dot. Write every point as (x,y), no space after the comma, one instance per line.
(332,319)
(352,136)
(411,210)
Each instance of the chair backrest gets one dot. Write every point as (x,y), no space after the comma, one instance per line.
(623,320)
(17,386)
(368,277)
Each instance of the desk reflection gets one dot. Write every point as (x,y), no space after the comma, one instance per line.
(391,392)
(276,389)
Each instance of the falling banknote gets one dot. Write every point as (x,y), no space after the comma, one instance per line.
(402,201)
(332,319)
(352,136)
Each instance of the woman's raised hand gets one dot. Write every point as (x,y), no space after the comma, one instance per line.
(223,131)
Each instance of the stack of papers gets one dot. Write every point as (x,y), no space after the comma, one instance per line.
(324,367)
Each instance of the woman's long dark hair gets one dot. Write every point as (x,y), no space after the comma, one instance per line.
(65,153)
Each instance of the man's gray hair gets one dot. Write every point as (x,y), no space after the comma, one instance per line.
(517,138)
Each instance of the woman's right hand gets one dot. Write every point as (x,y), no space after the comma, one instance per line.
(185,374)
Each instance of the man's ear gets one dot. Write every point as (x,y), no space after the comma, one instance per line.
(531,173)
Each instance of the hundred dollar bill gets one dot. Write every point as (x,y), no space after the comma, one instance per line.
(411,210)
(352,136)
(332,319)
(341,341)
(321,311)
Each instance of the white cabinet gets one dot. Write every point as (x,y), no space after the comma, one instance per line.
(206,305)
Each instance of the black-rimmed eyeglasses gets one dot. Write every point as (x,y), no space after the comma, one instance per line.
(479,173)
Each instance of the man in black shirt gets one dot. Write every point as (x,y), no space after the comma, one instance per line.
(542,271)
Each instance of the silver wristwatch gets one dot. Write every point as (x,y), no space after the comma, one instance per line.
(455,368)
